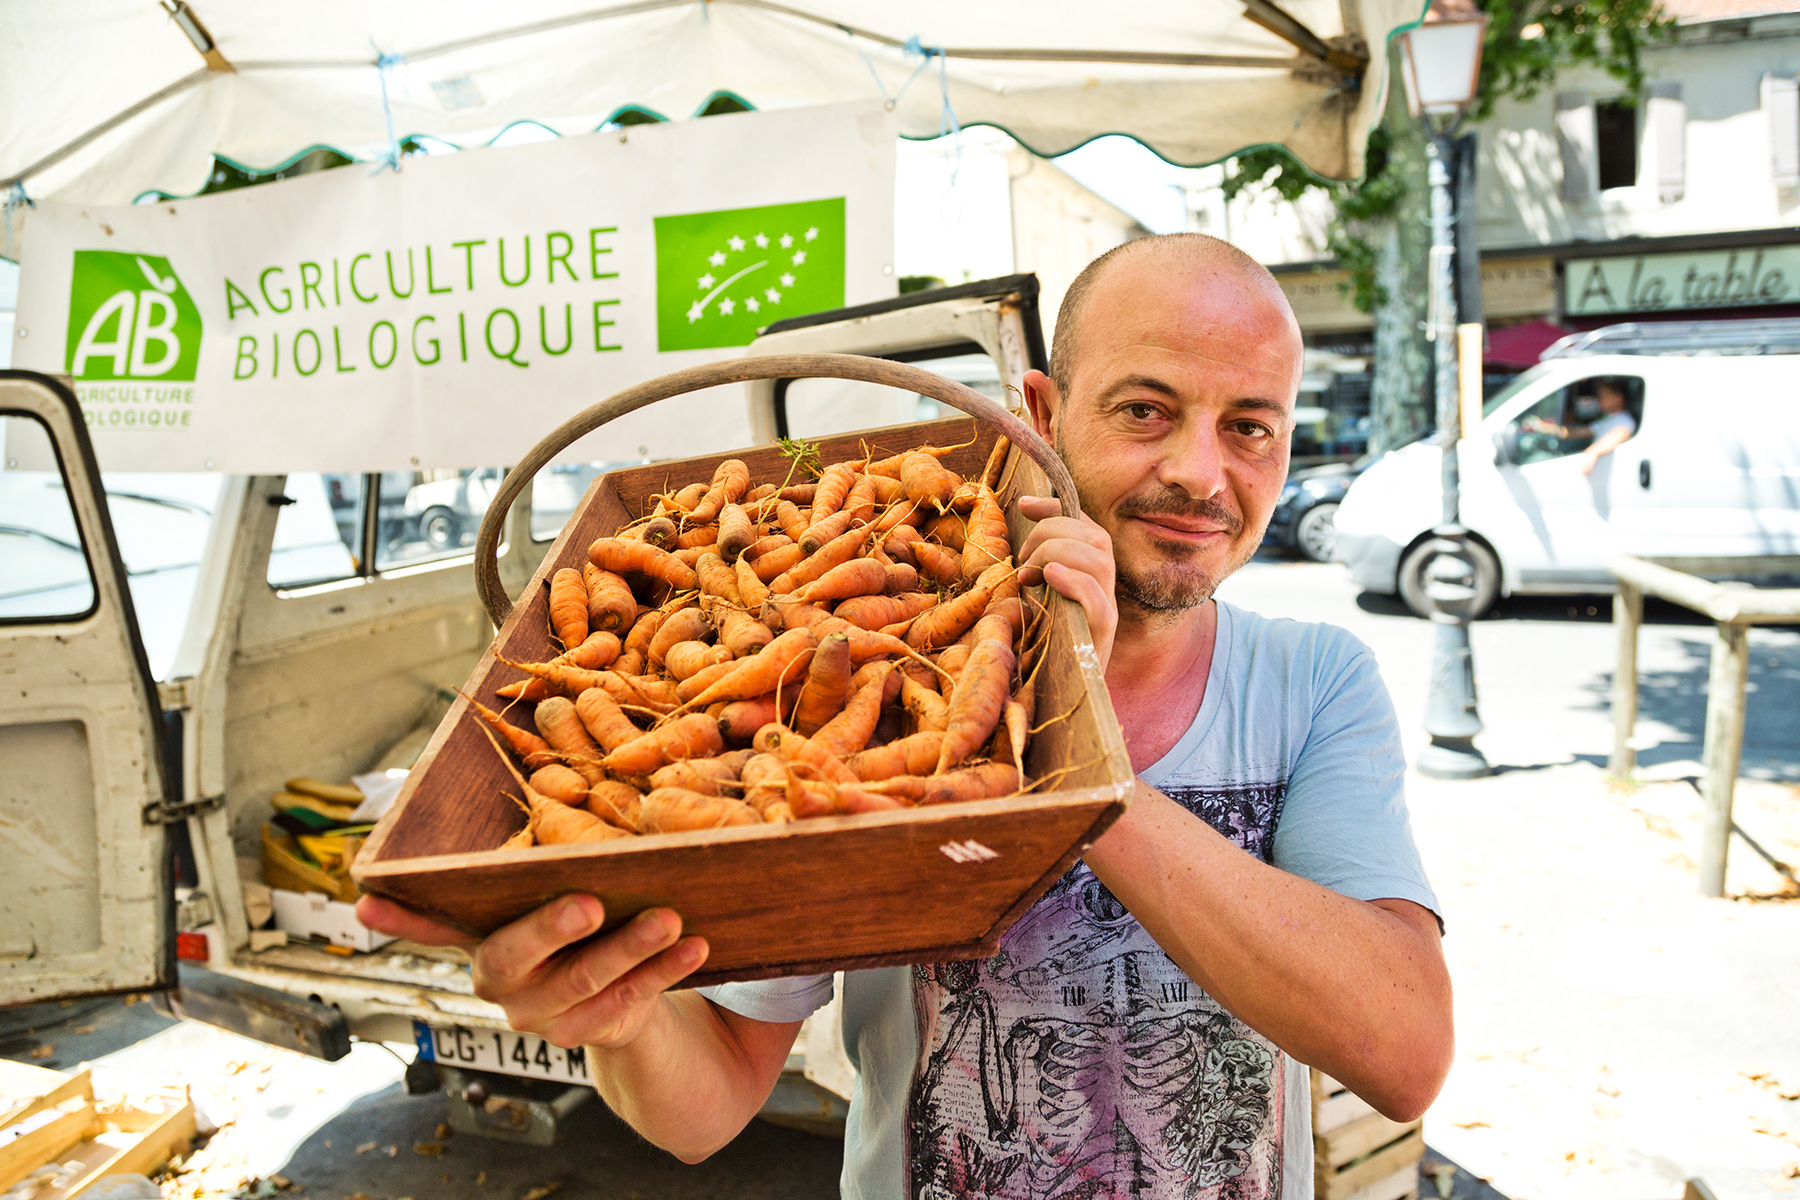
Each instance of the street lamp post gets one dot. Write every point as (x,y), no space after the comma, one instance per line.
(1441,62)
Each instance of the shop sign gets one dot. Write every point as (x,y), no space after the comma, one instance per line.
(1648,283)
(1510,287)
(452,313)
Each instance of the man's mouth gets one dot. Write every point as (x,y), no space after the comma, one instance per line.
(1190,530)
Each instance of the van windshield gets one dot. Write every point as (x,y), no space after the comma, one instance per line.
(1531,376)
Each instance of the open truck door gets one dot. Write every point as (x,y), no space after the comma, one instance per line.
(985,334)
(86,899)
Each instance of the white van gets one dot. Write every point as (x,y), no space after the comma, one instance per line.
(325,629)
(1713,470)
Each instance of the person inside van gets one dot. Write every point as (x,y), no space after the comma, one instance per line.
(1612,430)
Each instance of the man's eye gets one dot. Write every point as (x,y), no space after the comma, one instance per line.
(1141,412)
(1253,429)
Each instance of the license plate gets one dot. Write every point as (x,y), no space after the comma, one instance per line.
(500,1050)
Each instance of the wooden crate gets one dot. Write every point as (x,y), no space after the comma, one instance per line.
(827,894)
(1358,1154)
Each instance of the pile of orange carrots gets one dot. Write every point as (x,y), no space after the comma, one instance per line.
(747,654)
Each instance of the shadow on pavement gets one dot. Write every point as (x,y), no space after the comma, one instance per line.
(598,1155)
(62,1033)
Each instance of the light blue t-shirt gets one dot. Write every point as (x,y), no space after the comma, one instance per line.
(1080,1059)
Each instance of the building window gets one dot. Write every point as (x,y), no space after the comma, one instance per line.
(1615,135)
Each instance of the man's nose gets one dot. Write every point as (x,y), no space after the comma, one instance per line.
(1194,461)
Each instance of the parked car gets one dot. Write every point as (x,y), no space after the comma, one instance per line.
(442,510)
(1713,471)
(1305,514)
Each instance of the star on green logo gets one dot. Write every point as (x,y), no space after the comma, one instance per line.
(721,276)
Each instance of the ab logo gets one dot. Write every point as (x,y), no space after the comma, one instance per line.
(130,318)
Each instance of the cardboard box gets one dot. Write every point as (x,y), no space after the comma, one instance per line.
(832,893)
(305,914)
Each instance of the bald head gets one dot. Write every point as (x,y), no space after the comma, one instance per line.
(1190,256)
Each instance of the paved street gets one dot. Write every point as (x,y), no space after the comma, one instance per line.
(1610,1021)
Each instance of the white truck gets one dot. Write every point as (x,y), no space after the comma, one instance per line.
(308,652)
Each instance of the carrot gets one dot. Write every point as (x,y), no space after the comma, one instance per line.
(898,544)
(571,681)
(615,803)
(560,783)
(929,710)
(948,621)
(984,537)
(834,487)
(794,614)
(690,496)
(610,603)
(996,462)
(837,551)
(600,650)
(861,501)
(873,612)
(751,590)
(799,493)
(797,749)
(849,731)
(901,577)
(740,719)
(780,662)
(736,532)
(658,531)
(553,823)
(777,562)
(688,625)
(672,810)
(953,658)
(858,800)
(761,491)
(533,750)
(763,545)
(1001,579)
(870,670)
(827,685)
(820,532)
(972,783)
(693,736)
(731,479)
(982,690)
(946,531)
(890,467)
(602,717)
(858,577)
(562,728)
(927,481)
(1015,719)
(914,755)
(792,520)
(704,678)
(637,691)
(568,607)
(766,779)
(936,563)
(689,658)
(899,516)
(622,557)
(709,776)
(697,537)
(717,579)
(1009,612)
(741,633)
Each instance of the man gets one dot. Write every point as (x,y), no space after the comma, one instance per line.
(1260,896)
(1612,430)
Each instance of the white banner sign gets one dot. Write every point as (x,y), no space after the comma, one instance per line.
(1649,283)
(454,312)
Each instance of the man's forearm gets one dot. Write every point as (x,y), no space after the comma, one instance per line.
(1342,985)
(690,1082)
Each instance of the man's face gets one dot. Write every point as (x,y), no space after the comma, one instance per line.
(1612,400)
(1177,422)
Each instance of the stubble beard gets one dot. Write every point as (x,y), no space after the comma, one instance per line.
(1180,582)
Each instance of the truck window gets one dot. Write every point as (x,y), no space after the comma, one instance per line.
(1562,423)
(318,537)
(44,572)
(162,521)
(425,515)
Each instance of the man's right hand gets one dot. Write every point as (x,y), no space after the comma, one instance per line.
(599,994)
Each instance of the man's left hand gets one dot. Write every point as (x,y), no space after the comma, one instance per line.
(1075,557)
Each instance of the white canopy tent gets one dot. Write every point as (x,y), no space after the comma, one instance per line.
(106,100)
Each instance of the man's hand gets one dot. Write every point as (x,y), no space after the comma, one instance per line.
(1074,556)
(600,994)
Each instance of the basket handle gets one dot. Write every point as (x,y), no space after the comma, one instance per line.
(742,370)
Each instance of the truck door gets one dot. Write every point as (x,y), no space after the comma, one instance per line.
(85,900)
(984,334)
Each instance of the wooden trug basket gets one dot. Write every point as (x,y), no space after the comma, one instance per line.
(877,889)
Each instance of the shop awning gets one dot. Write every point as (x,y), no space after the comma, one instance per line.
(106,100)
(1520,346)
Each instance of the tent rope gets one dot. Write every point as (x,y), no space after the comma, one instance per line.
(15,199)
(383,64)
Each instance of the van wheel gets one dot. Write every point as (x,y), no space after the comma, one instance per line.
(1460,586)
(1316,534)
(440,528)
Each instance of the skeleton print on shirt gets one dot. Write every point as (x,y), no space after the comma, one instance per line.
(1080,1063)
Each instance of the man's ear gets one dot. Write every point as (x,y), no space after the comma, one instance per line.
(1043,401)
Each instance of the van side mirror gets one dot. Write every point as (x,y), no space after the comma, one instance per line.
(1506,445)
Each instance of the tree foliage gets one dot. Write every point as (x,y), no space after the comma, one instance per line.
(1527,43)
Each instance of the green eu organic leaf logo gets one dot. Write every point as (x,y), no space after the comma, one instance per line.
(130,318)
(721,276)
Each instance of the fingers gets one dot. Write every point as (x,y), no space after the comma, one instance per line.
(618,1014)
(1037,508)
(589,971)
(510,956)
(384,916)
